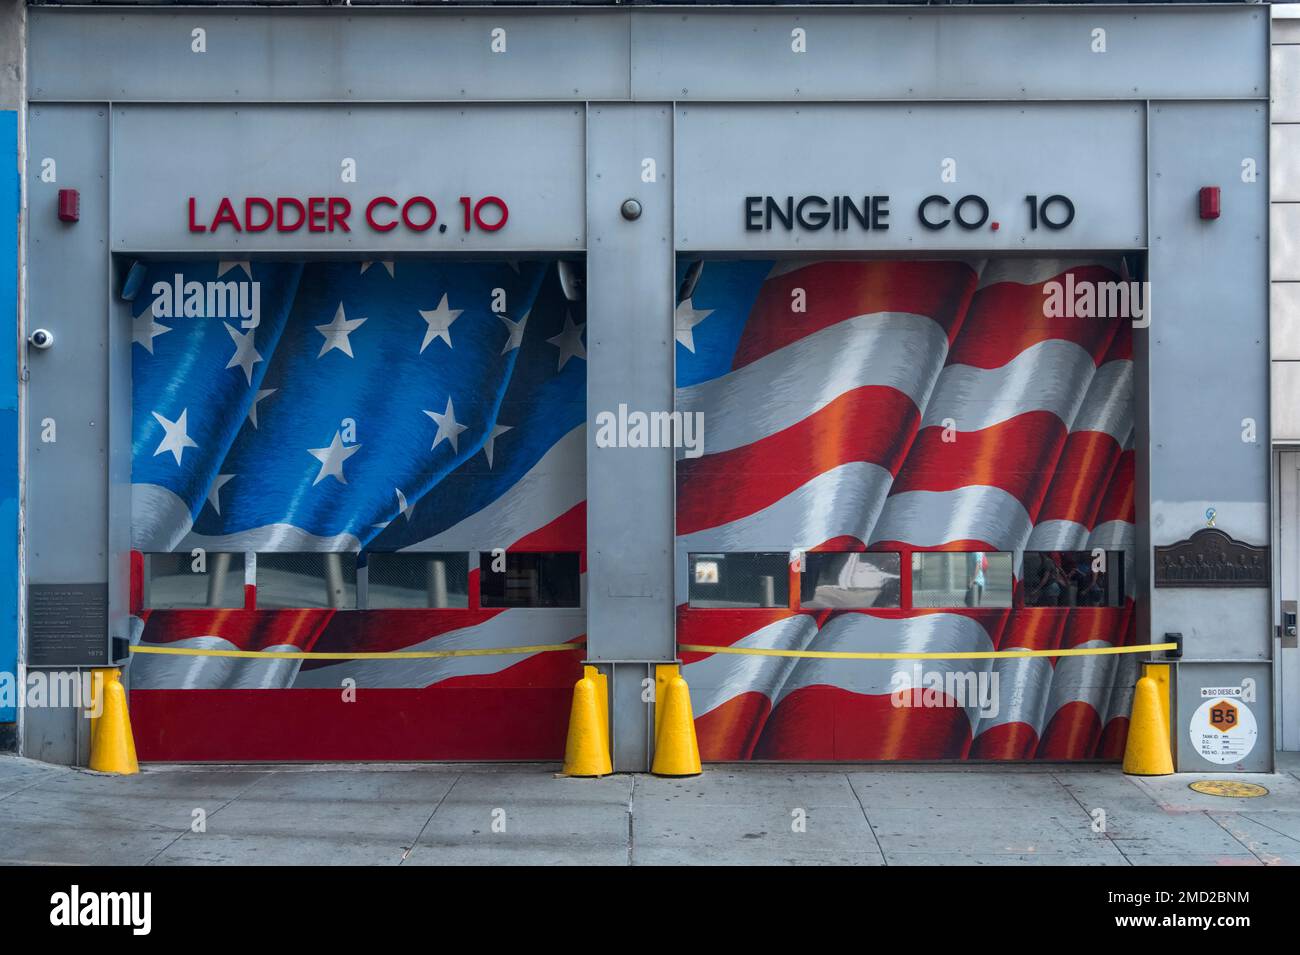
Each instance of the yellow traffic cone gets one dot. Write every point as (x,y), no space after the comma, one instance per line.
(112,747)
(677,752)
(1147,750)
(586,752)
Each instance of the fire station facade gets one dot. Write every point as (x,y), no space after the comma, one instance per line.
(400,362)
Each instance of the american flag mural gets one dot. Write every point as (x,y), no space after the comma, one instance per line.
(903,407)
(369,408)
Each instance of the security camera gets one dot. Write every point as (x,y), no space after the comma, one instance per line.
(42,338)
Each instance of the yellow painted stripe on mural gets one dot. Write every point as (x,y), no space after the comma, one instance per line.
(395,655)
(962,655)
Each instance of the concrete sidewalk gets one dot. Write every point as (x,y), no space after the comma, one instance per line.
(441,814)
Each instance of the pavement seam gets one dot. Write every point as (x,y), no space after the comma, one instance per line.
(185,832)
(32,785)
(631,838)
(872,829)
(1254,817)
(416,841)
(1233,835)
(1088,812)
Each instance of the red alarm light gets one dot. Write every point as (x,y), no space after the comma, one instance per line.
(69,205)
(1209,202)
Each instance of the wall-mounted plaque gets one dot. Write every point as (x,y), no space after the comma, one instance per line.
(1211,558)
(67,624)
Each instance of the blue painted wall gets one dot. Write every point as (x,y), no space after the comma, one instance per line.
(9,209)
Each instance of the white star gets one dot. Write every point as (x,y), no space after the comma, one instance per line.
(252,412)
(224,267)
(569,341)
(144,330)
(447,426)
(406,509)
(516,332)
(214,492)
(491,441)
(331,459)
(175,439)
(439,320)
(685,320)
(246,355)
(336,333)
(387,264)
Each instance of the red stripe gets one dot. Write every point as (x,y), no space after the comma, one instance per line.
(872,423)
(729,732)
(1117,504)
(1033,629)
(1072,733)
(1085,467)
(246,629)
(1006,741)
(1113,739)
(835,291)
(379,631)
(723,628)
(568,532)
(826,722)
(1006,318)
(1016,455)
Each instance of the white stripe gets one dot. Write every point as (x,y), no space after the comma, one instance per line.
(166,672)
(721,677)
(856,632)
(160,522)
(1052,375)
(551,488)
(1120,700)
(510,628)
(1108,405)
(842,501)
(1023,687)
(1082,680)
(977,512)
(890,349)
(1035,271)
(787,266)
(1057,535)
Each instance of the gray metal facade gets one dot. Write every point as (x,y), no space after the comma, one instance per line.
(564,119)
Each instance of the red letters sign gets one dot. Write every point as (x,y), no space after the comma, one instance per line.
(334,214)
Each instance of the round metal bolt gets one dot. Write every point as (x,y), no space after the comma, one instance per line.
(631,209)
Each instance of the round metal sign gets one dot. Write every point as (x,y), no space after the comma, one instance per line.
(1228,787)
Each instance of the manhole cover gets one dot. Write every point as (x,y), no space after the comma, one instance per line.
(1228,787)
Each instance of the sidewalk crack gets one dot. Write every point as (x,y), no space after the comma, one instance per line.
(416,841)
(879,848)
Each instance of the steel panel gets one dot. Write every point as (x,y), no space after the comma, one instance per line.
(1002,152)
(534,163)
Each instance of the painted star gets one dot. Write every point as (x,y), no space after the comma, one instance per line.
(246,355)
(144,329)
(439,320)
(331,459)
(252,412)
(569,342)
(515,331)
(448,427)
(336,333)
(685,320)
(224,267)
(490,444)
(387,264)
(406,509)
(175,437)
(214,492)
